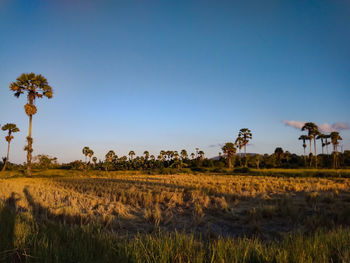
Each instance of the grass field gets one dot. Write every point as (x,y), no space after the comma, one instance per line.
(75,216)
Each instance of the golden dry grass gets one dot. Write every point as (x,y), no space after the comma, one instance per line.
(215,204)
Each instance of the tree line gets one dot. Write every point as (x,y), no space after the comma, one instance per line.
(36,87)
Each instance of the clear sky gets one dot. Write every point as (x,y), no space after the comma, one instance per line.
(161,75)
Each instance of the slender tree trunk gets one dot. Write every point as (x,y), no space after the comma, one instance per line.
(315,152)
(7,157)
(29,148)
(304,156)
(245,156)
(310,152)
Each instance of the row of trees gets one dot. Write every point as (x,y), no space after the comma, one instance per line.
(36,86)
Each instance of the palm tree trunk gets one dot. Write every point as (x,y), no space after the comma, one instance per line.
(310,152)
(29,148)
(304,156)
(315,152)
(7,157)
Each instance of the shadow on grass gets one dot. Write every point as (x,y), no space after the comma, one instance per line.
(7,227)
(63,238)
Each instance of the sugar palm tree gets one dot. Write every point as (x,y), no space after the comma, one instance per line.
(110,156)
(86,151)
(94,159)
(304,138)
(11,128)
(239,144)
(183,154)
(35,86)
(229,150)
(328,136)
(131,154)
(201,155)
(335,138)
(90,154)
(246,135)
(192,156)
(321,137)
(312,133)
(146,154)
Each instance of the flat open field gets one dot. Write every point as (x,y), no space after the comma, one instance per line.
(138,217)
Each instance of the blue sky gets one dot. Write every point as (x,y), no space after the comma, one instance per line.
(159,75)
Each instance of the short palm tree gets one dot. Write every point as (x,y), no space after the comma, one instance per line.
(229,150)
(90,154)
(94,160)
(183,154)
(312,133)
(335,138)
(35,86)
(131,154)
(11,128)
(86,151)
(146,154)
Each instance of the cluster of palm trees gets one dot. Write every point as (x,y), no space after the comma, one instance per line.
(242,140)
(313,134)
(170,158)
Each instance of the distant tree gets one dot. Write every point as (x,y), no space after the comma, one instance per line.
(201,155)
(229,150)
(35,86)
(279,154)
(146,154)
(335,138)
(326,137)
(322,137)
(192,156)
(10,128)
(45,161)
(239,144)
(183,154)
(90,154)
(304,138)
(94,160)
(131,154)
(110,156)
(86,151)
(246,135)
(312,133)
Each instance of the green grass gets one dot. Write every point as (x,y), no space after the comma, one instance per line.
(23,239)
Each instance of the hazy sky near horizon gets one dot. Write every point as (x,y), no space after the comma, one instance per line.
(161,75)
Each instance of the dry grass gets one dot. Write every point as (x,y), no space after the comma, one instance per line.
(217,204)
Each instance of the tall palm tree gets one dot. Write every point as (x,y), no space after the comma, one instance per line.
(35,86)
(304,138)
(11,128)
(229,150)
(335,138)
(312,133)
